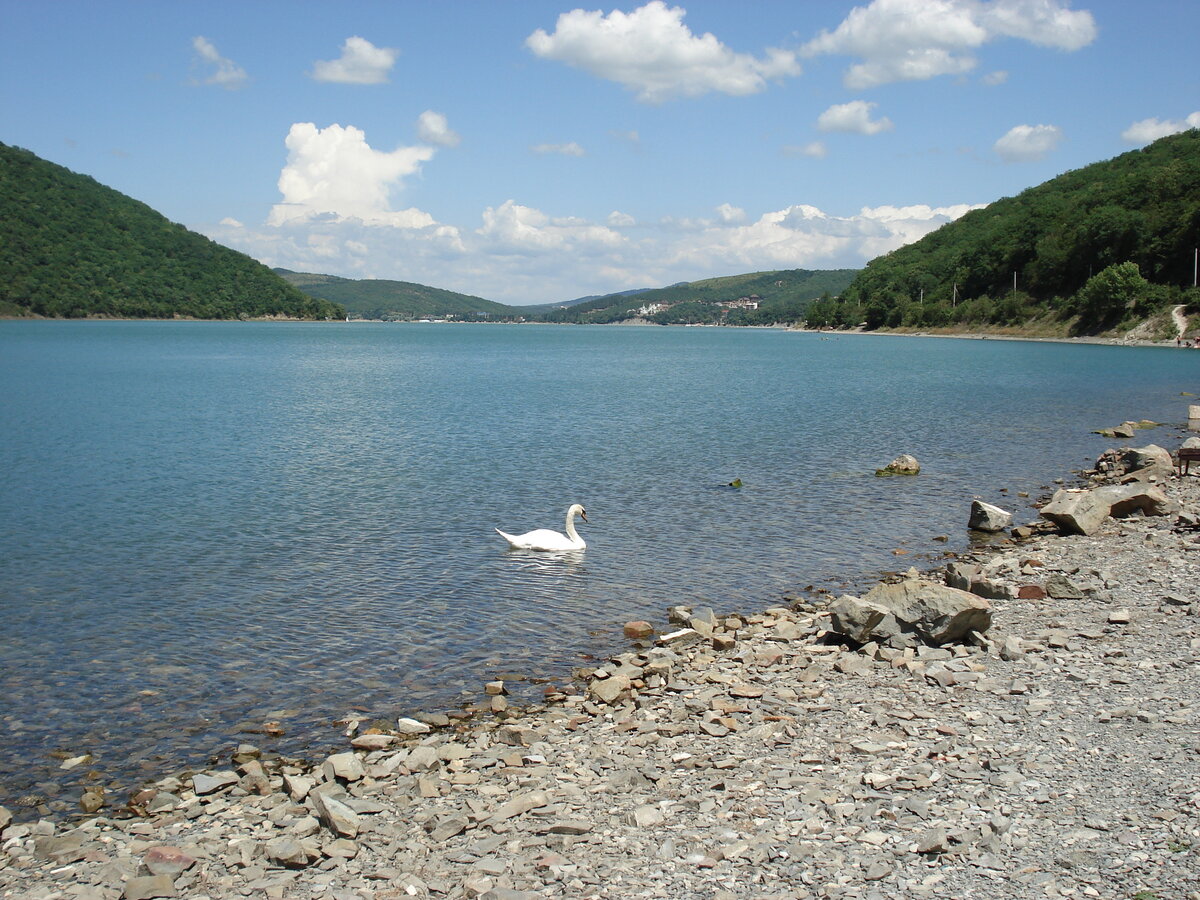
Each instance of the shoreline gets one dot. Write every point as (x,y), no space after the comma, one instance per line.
(763,760)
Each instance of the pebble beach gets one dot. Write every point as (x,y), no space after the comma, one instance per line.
(1056,754)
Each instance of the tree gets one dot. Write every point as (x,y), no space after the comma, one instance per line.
(1107,295)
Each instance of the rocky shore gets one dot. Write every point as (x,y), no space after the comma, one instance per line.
(1048,748)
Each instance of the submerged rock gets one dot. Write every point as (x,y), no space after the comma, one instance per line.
(904,464)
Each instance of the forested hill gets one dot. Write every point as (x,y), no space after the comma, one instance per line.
(72,247)
(1093,249)
(396,300)
(759,298)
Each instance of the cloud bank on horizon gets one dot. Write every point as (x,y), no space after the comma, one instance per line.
(350,194)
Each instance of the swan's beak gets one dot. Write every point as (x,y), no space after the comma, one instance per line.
(583,514)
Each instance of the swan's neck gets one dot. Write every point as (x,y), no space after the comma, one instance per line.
(571,532)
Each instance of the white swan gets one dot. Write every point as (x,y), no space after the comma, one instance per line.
(545,539)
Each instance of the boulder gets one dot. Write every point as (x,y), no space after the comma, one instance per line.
(937,614)
(904,464)
(857,619)
(1076,511)
(1140,457)
(1125,499)
(985,517)
(910,612)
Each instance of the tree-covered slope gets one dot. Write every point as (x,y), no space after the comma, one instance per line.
(782,296)
(70,246)
(382,299)
(1140,208)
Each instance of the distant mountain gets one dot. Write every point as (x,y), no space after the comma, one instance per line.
(382,299)
(758,298)
(1098,248)
(71,247)
(542,308)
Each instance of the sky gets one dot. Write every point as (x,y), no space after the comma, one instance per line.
(534,152)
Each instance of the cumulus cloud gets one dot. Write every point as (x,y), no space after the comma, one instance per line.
(515,229)
(1027,143)
(361,62)
(1147,130)
(731,214)
(520,254)
(334,172)
(853,117)
(232,222)
(913,40)
(216,68)
(433,128)
(992,79)
(569,149)
(652,52)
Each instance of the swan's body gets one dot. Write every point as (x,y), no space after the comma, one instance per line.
(545,539)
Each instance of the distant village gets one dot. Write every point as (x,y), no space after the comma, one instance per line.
(750,302)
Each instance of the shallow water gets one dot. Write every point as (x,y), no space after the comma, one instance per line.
(213,525)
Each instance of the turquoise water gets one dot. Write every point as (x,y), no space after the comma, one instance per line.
(212,525)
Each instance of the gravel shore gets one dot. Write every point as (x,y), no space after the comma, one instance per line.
(746,757)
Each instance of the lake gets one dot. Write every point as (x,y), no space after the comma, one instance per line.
(208,526)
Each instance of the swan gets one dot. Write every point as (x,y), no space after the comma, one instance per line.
(545,539)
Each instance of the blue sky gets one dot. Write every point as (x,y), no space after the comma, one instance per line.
(537,151)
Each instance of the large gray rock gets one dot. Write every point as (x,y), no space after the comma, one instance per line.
(1076,511)
(935,613)
(985,517)
(1151,455)
(856,618)
(1125,499)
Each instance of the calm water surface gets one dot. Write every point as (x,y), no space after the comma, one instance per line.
(206,526)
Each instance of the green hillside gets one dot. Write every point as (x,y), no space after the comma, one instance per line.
(781,296)
(1098,248)
(71,247)
(381,299)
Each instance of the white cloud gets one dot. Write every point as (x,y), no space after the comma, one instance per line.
(219,70)
(1027,143)
(361,62)
(813,150)
(334,172)
(569,149)
(853,117)
(232,222)
(520,254)
(1147,130)
(913,40)
(992,79)
(652,52)
(630,137)
(731,214)
(433,128)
